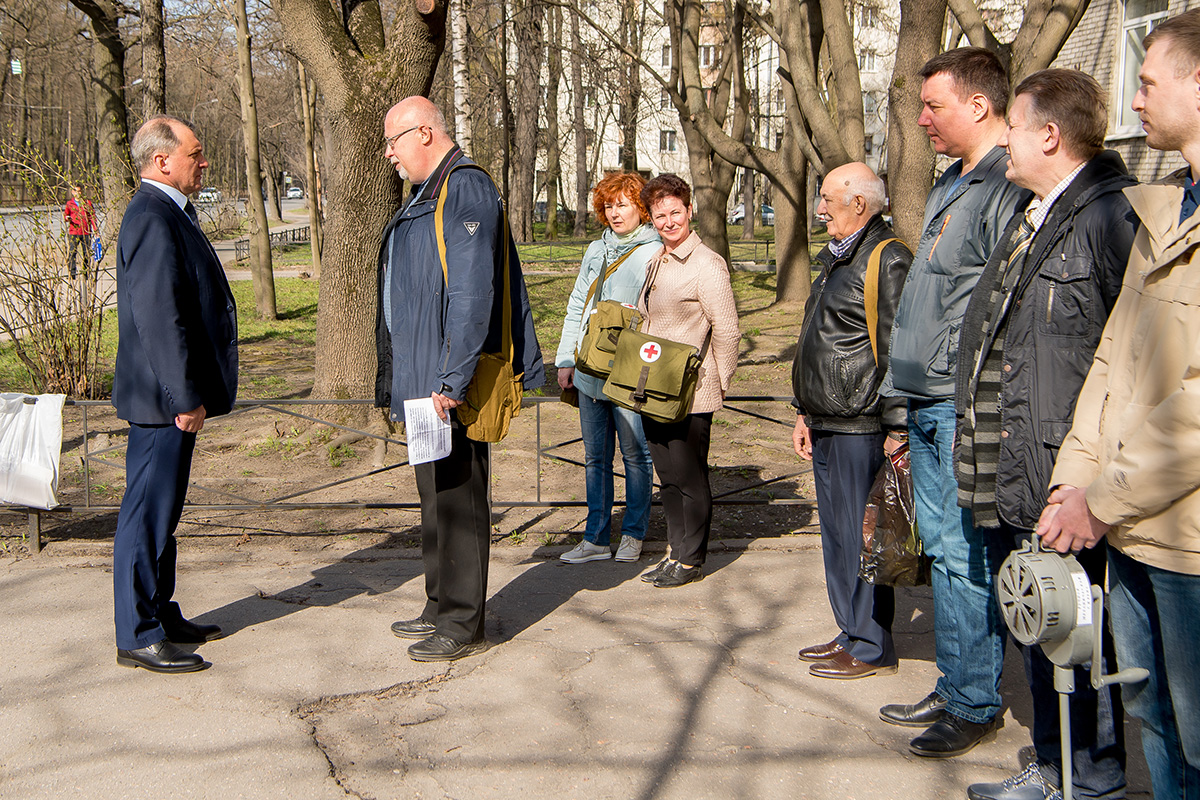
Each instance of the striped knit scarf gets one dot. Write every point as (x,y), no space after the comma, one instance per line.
(979,443)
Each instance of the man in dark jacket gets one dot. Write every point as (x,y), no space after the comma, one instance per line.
(964,97)
(176,367)
(430,333)
(843,426)
(1027,341)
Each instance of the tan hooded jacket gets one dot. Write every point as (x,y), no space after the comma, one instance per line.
(1135,440)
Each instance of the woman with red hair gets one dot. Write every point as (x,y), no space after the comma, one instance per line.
(622,253)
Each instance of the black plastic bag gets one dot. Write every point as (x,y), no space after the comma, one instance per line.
(892,554)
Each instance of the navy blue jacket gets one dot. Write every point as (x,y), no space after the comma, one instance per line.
(438,332)
(175,315)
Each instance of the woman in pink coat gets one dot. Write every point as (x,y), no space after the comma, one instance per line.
(687,298)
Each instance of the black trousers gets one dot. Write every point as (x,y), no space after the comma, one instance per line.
(456,524)
(679,451)
(76,242)
(844,467)
(1097,717)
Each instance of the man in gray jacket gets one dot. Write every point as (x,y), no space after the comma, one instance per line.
(430,332)
(964,96)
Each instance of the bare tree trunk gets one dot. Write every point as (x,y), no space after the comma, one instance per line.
(108,62)
(271,183)
(749,207)
(909,156)
(154,60)
(307,111)
(630,89)
(580,127)
(527,23)
(462,89)
(553,76)
(261,273)
(359,76)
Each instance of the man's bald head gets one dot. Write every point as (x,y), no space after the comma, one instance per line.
(416,139)
(850,195)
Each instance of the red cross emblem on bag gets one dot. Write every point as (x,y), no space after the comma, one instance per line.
(650,352)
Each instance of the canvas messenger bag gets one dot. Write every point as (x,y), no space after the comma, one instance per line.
(494,394)
(653,376)
(603,325)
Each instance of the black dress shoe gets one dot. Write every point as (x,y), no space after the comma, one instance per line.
(952,736)
(164,656)
(677,575)
(651,575)
(188,632)
(820,652)
(917,715)
(418,628)
(443,648)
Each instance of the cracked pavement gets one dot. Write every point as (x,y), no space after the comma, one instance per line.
(597,686)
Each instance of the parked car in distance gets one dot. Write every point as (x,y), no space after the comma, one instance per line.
(737,215)
(209,194)
(295,193)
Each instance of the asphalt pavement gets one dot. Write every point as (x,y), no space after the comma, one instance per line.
(597,685)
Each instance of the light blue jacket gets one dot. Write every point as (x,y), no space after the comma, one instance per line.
(622,286)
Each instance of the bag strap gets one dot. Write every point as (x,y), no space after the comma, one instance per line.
(871,293)
(506,344)
(597,287)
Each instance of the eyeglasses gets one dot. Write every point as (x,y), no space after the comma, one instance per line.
(390,141)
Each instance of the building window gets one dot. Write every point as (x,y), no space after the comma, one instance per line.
(778,140)
(868,145)
(589,97)
(666,141)
(666,55)
(664,99)
(708,56)
(866,60)
(1141,16)
(868,17)
(870,104)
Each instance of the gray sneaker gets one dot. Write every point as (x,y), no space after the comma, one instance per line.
(1025,785)
(630,549)
(586,551)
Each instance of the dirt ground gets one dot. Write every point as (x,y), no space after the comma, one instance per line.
(264,459)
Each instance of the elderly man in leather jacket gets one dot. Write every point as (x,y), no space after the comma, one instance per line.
(1028,335)
(843,425)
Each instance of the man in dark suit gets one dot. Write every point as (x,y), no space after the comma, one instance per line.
(176,366)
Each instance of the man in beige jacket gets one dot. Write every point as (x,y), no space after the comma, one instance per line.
(1130,467)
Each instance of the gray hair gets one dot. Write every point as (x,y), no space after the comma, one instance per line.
(872,189)
(155,136)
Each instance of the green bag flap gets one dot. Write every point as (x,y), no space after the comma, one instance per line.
(670,364)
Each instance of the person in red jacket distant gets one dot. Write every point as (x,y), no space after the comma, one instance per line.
(81,224)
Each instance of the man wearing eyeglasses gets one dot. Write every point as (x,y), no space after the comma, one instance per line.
(430,332)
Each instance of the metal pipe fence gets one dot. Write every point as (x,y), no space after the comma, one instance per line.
(749,494)
(297,235)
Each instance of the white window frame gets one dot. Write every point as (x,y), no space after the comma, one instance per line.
(708,56)
(867,60)
(667,141)
(1125,123)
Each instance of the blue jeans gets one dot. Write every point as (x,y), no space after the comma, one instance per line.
(1155,626)
(969,632)
(601,422)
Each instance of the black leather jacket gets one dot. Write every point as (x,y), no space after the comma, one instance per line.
(1072,276)
(834,376)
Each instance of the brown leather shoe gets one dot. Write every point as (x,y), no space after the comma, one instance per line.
(846,667)
(820,652)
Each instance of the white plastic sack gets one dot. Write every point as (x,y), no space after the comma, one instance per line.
(30,444)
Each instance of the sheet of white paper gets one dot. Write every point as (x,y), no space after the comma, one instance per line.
(428,436)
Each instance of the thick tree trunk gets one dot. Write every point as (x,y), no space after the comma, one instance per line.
(108,63)
(793,264)
(582,184)
(910,156)
(630,89)
(359,79)
(154,60)
(553,75)
(527,90)
(261,273)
